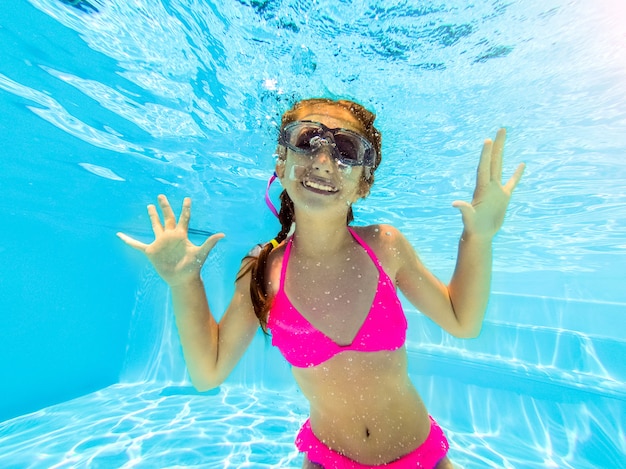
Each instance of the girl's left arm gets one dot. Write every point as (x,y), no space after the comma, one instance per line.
(460,306)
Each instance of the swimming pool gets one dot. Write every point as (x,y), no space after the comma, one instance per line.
(103,105)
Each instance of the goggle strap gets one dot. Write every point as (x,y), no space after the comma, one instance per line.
(268,201)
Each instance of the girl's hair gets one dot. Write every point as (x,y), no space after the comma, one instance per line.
(286,215)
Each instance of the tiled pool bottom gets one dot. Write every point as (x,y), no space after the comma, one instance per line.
(163,426)
(152,426)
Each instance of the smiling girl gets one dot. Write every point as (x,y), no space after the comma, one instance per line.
(327,292)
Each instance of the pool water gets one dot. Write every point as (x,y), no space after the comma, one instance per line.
(494,424)
(105,104)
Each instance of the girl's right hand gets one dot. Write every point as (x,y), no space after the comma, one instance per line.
(176,259)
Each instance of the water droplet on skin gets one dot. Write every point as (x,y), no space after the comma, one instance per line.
(328,293)
(388,233)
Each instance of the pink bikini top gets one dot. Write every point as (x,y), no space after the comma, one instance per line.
(304,346)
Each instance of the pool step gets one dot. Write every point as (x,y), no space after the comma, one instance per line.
(537,339)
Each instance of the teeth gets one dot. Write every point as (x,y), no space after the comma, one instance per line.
(321,187)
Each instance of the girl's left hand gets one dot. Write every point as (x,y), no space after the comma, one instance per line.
(485,215)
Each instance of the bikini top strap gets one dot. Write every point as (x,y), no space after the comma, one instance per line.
(283,269)
(368,249)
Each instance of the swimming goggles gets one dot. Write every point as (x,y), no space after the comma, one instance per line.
(348,147)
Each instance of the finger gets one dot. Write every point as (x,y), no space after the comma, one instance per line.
(484,169)
(463,206)
(466,209)
(209,244)
(185,214)
(496,155)
(157,228)
(132,242)
(512,183)
(169,219)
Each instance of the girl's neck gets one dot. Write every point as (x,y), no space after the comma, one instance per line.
(317,237)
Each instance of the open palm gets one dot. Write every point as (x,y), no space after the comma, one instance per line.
(175,258)
(485,215)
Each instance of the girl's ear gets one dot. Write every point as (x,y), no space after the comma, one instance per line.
(281,156)
(364,187)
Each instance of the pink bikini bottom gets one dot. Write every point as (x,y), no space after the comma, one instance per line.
(426,456)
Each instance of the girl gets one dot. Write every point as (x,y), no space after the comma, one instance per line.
(327,292)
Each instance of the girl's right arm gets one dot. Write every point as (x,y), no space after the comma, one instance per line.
(211,349)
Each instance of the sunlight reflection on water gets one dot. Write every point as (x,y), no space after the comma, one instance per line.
(151,425)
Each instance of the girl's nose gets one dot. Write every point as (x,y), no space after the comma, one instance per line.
(323,159)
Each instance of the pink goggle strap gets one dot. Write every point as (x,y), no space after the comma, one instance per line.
(268,201)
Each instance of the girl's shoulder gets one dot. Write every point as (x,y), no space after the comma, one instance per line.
(382,235)
(274,267)
(387,242)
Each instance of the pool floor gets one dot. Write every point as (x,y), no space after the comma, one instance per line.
(169,426)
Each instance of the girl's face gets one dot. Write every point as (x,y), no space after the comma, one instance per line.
(318,181)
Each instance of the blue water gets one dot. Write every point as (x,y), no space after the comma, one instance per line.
(104,104)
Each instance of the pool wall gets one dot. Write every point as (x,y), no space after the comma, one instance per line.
(67,290)
(64,324)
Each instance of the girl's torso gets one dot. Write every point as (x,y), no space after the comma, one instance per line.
(341,325)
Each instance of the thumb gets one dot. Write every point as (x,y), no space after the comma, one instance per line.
(209,244)
(132,242)
(464,207)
